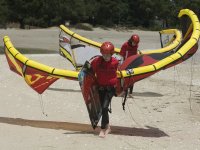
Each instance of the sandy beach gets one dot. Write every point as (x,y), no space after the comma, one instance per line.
(164,113)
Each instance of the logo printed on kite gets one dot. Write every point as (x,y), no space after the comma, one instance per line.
(129,71)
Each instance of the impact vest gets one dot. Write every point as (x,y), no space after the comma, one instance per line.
(105,71)
(128,50)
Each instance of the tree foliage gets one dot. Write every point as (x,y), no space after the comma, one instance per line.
(132,13)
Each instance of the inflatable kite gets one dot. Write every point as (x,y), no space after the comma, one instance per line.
(177,49)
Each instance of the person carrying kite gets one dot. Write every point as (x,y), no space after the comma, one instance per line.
(130,48)
(105,68)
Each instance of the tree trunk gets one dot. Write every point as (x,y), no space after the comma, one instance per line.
(22,25)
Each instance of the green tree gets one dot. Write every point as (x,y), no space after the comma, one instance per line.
(165,12)
(3,14)
(17,11)
(45,13)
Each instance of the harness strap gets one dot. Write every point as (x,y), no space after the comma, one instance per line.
(110,109)
(124,101)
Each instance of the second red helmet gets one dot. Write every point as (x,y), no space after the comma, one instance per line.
(135,38)
(107,48)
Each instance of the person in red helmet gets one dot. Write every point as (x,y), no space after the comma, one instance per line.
(130,48)
(105,68)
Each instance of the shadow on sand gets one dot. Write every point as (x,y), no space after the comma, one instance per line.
(63,90)
(138,94)
(84,128)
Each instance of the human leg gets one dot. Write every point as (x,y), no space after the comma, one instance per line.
(105,115)
(131,90)
(105,97)
(107,130)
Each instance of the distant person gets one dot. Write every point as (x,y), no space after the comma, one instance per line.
(105,68)
(130,48)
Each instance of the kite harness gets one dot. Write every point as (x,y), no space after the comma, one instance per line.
(124,99)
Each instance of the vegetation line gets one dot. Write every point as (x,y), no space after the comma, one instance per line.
(31,51)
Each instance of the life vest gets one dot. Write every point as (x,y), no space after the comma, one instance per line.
(127,50)
(105,71)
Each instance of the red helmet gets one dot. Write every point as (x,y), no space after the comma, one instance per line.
(135,38)
(107,48)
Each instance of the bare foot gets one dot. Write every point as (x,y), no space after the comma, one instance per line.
(108,130)
(102,133)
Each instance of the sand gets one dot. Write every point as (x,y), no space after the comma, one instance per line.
(164,112)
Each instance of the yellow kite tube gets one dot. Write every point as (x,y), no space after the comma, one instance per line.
(140,70)
(174,43)
(172,58)
(60,73)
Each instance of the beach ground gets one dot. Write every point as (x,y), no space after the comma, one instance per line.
(164,112)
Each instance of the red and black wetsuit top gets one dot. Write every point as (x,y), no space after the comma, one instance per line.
(105,71)
(128,50)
